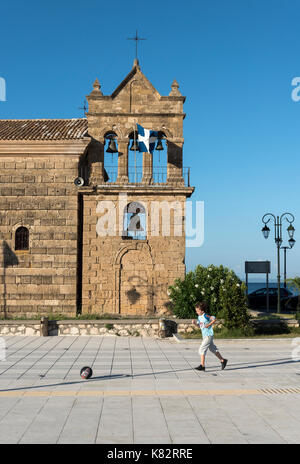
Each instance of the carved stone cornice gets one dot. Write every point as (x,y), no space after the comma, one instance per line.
(152,115)
(43,147)
(135,189)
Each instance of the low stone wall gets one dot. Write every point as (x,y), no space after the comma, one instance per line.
(158,328)
(123,328)
(185,326)
(20,328)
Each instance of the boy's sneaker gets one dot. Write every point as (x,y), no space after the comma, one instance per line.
(200,368)
(223,363)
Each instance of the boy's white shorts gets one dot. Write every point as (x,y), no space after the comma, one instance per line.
(208,343)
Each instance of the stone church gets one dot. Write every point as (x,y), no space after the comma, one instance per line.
(79,235)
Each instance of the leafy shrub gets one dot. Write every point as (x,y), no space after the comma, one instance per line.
(219,287)
(109,326)
(273,329)
(294,285)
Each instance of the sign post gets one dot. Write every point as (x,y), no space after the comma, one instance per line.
(259,267)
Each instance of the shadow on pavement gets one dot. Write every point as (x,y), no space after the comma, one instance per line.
(119,376)
(104,377)
(269,363)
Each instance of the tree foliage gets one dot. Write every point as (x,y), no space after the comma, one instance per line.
(294,285)
(219,287)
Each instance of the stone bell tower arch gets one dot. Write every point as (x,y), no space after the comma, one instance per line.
(124,272)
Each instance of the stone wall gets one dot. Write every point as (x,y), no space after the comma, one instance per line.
(109,327)
(130,277)
(30,328)
(38,192)
(148,328)
(121,276)
(136,100)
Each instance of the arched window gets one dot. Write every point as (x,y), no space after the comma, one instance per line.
(135,159)
(135,221)
(22,239)
(111,156)
(160,159)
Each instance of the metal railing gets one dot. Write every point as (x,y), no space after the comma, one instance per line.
(136,175)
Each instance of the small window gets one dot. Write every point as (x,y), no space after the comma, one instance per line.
(22,239)
(135,221)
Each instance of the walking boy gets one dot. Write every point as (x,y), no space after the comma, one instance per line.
(205,323)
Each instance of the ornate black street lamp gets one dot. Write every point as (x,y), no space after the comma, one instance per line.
(291,243)
(278,240)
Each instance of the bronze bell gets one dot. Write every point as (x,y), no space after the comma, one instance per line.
(159,145)
(112,147)
(134,145)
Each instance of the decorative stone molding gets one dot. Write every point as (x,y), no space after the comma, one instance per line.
(139,245)
(31,148)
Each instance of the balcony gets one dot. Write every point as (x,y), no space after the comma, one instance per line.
(135,175)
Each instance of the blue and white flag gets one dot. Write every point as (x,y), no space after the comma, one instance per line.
(146,139)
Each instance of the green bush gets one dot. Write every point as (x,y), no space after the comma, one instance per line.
(109,326)
(219,287)
(294,285)
(272,329)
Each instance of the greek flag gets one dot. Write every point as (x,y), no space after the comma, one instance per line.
(146,139)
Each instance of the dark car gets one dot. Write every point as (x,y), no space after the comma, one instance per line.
(290,303)
(258,299)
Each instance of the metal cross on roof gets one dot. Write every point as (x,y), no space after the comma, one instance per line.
(136,38)
(84,107)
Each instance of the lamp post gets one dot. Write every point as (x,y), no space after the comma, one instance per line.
(287,248)
(278,240)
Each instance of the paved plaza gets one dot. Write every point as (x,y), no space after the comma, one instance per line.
(145,391)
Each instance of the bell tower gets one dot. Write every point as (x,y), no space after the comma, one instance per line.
(133,228)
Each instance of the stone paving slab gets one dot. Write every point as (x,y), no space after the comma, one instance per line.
(146,391)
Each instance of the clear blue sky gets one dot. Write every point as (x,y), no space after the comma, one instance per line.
(234,60)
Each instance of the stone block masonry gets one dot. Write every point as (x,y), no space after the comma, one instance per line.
(122,276)
(123,328)
(62,263)
(115,269)
(109,327)
(38,192)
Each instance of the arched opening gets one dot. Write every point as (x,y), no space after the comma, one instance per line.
(83,168)
(134,279)
(160,159)
(134,222)
(135,159)
(136,286)
(22,238)
(110,156)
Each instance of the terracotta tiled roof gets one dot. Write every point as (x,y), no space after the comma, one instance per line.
(43,129)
